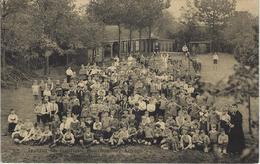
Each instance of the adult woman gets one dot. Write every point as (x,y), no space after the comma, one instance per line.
(236,142)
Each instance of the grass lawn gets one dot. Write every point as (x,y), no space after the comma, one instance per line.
(22,101)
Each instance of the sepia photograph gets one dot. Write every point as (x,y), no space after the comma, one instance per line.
(129,81)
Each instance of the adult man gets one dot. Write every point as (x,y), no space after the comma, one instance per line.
(69,74)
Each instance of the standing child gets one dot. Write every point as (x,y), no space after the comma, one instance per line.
(205,141)
(213,136)
(35,90)
(12,121)
(223,142)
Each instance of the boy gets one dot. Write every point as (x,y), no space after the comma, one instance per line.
(35,90)
(12,121)
(56,138)
(186,141)
(175,141)
(46,135)
(68,138)
(196,139)
(223,142)
(88,137)
(213,135)
(205,141)
(34,135)
(148,131)
(19,135)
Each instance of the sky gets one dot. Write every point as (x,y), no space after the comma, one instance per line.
(242,5)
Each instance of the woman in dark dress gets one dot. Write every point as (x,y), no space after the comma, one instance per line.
(236,142)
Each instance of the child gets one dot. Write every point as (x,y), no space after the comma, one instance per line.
(205,141)
(213,135)
(196,139)
(19,135)
(223,142)
(68,138)
(148,131)
(46,135)
(167,141)
(88,137)
(186,141)
(12,121)
(97,129)
(34,135)
(175,141)
(56,138)
(35,90)
(119,137)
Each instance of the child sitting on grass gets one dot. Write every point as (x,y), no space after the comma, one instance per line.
(88,137)
(119,137)
(19,135)
(12,121)
(68,138)
(186,141)
(46,135)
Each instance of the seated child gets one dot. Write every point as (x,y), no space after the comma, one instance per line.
(88,137)
(56,138)
(68,138)
(132,138)
(223,142)
(119,137)
(175,141)
(34,135)
(205,141)
(12,121)
(167,140)
(196,139)
(158,134)
(97,129)
(106,134)
(46,135)
(19,135)
(186,141)
(148,131)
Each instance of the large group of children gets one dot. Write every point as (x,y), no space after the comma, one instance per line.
(130,102)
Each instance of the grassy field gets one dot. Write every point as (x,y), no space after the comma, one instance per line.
(22,101)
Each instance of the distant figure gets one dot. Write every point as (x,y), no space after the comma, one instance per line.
(69,74)
(215,61)
(35,90)
(185,50)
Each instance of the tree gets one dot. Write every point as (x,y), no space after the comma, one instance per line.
(239,34)
(9,11)
(244,83)
(215,14)
(110,12)
(151,12)
(189,23)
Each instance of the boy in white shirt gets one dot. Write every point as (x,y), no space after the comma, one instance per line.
(12,121)
(35,90)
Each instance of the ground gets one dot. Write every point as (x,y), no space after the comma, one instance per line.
(22,101)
